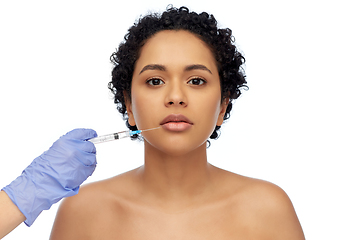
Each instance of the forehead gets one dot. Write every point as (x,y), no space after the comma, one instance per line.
(176,47)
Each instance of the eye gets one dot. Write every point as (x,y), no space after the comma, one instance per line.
(155,81)
(196,81)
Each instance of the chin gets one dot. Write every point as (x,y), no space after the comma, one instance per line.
(177,147)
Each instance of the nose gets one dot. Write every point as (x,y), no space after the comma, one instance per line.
(176,96)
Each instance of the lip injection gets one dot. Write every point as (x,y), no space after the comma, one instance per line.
(118,135)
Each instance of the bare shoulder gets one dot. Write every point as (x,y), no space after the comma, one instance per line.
(81,216)
(263,207)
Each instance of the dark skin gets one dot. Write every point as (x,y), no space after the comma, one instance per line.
(177,194)
(245,209)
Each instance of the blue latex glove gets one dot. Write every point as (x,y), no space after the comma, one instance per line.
(56,174)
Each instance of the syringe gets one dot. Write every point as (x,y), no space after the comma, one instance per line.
(118,135)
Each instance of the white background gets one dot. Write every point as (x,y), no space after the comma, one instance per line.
(297,126)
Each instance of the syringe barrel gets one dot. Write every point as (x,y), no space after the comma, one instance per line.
(110,137)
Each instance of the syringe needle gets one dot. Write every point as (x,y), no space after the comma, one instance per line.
(140,131)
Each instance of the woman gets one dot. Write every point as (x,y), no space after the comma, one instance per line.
(178,71)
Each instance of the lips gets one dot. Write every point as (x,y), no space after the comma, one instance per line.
(176,122)
(175,118)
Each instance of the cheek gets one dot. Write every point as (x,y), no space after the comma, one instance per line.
(211,104)
(139,110)
(209,107)
(143,107)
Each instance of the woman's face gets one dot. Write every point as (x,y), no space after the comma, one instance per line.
(176,85)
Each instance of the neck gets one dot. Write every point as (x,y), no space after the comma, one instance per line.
(176,177)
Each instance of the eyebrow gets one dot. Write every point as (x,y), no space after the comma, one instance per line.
(153,67)
(163,68)
(197,67)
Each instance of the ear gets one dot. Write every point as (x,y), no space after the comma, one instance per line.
(223,108)
(129,109)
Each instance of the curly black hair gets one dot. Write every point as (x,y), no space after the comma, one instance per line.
(204,26)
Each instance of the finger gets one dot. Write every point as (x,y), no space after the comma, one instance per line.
(81,134)
(86,158)
(81,145)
